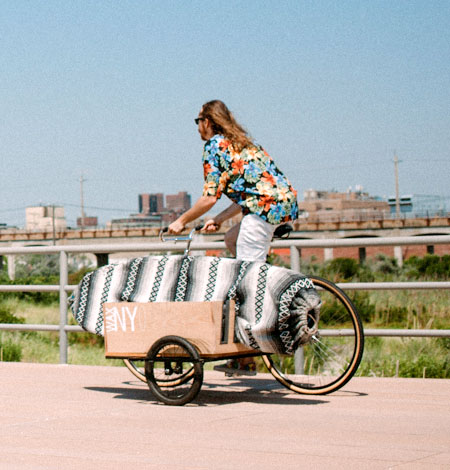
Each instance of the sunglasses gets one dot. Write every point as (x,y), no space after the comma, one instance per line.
(197,120)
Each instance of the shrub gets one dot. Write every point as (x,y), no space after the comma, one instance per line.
(394,314)
(345,268)
(276,260)
(45,298)
(444,343)
(75,277)
(6,315)
(37,265)
(335,309)
(425,366)
(430,266)
(384,264)
(10,351)
(363,305)
(87,339)
(411,357)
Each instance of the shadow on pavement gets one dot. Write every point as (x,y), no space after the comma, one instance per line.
(231,391)
(208,397)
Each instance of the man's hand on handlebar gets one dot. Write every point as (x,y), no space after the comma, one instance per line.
(175,228)
(211,226)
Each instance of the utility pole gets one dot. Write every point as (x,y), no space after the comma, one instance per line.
(82,180)
(53,224)
(397,193)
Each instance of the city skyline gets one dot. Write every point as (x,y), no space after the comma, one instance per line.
(170,206)
(333,91)
(167,206)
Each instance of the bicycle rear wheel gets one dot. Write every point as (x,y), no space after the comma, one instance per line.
(332,356)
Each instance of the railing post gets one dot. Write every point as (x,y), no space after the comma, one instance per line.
(299,359)
(63,281)
(398,254)
(362,254)
(295,266)
(295,258)
(11,267)
(328,254)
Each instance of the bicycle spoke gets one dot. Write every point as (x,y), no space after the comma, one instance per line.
(330,354)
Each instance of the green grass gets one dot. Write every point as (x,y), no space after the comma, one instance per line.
(407,309)
(406,357)
(43,347)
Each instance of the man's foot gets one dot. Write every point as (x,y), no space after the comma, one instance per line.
(234,367)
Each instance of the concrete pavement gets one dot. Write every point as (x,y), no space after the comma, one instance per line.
(81,417)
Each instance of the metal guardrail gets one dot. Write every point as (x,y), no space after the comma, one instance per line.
(63,288)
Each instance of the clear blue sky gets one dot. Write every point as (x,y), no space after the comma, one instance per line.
(109,89)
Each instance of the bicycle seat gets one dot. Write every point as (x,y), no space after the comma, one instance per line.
(283,231)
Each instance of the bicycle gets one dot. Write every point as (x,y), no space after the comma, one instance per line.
(173,367)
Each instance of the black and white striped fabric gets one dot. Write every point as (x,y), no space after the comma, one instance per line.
(272,302)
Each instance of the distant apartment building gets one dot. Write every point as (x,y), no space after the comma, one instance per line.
(45,218)
(350,205)
(87,222)
(417,205)
(178,203)
(151,203)
(136,220)
(154,203)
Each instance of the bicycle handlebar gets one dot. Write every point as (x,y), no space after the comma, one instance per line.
(282,231)
(176,238)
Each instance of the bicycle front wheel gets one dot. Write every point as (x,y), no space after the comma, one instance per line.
(332,356)
(174,370)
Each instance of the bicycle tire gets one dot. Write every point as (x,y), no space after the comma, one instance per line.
(174,370)
(333,355)
(135,368)
(138,370)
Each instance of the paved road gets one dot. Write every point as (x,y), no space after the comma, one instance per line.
(79,417)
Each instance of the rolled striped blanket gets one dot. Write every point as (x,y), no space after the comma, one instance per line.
(272,303)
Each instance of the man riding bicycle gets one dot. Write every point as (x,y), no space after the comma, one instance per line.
(242,170)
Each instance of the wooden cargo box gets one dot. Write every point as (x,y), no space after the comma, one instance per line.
(131,328)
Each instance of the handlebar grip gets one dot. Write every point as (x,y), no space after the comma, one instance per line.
(197,228)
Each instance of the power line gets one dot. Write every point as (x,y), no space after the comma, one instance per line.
(111,209)
(13,210)
(397,192)
(82,180)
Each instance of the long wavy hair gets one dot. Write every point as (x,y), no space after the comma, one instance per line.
(223,122)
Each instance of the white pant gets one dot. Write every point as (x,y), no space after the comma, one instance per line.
(253,242)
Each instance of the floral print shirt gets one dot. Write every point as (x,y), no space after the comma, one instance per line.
(250,179)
